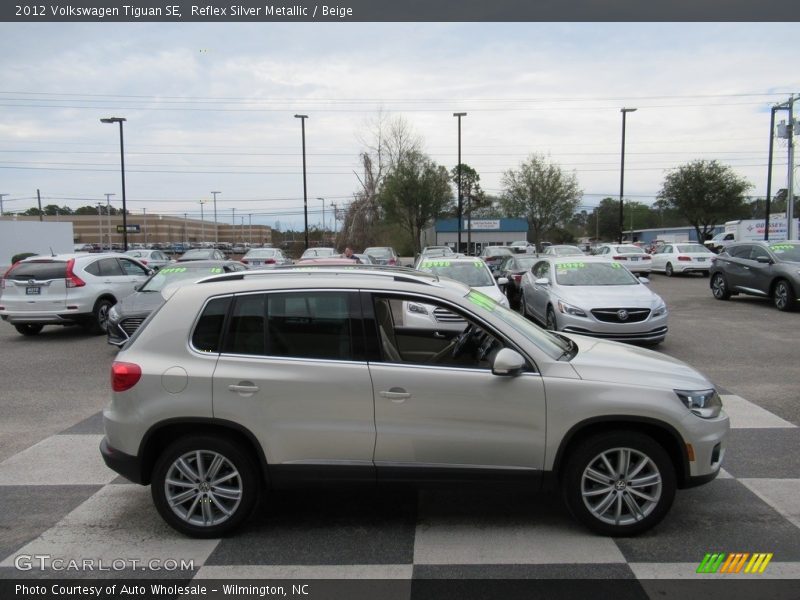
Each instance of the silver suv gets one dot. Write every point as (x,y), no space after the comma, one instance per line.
(269,379)
(67,289)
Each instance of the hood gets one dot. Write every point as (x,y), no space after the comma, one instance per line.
(615,362)
(139,303)
(493,292)
(609,296)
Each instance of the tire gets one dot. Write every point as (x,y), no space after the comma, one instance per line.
(200,514)
(719,287)
(29,329)
(633,497)
(783,296)
(98,323)
(551,323)
(523,306)
(668,270)
(706,273)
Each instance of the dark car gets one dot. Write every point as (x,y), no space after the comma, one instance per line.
(494,255)
(202,254)
(126,316)
(513,268)
(766,269)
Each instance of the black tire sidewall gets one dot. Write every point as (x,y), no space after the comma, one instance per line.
(232,452)
(587,451)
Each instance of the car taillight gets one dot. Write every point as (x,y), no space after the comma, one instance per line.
(620,257)
(518,277)
(684,258)
(647,257)
(124,375)
(143,261)
(6,274)
(392,261)
(73,280)
(244,261)
(269,261)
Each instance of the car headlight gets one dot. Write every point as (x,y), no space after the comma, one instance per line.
(417,308)
(113,315)
(568,309)
(704,403)
(659,310)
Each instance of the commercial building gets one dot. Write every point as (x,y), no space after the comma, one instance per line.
(477,233)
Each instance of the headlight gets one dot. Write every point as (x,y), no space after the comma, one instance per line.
(704,403)
(568,309)
(113,315)
(659,310)
(417,308)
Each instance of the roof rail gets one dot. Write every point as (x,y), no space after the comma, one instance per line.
(398,273)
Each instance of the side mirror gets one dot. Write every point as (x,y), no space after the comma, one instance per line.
(644,279)
(508,362)
(764,260)
(502,281)
(542,281)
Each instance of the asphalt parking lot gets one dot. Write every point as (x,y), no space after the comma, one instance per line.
(54,384)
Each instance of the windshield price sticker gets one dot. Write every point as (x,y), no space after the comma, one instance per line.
(172,270)
(781,247)
(564,267)
(432,264)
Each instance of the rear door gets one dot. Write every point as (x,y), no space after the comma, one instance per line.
(38,285)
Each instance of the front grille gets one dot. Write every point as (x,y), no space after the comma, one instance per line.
(130,326)
(615,315)
(445,316)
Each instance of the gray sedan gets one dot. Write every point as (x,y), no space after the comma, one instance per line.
(154,259)
(593,296)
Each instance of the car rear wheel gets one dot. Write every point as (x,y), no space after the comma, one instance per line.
(668,270)
(551,322)
(783,295)
(204,487)
(98,322)
(719,287)
(523,307)
(619,483)
(28,328)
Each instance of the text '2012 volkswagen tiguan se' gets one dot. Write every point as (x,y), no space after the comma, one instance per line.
(264,380)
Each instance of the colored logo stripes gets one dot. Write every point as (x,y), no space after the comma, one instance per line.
(735,562)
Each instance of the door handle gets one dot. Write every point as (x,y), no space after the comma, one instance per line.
(396,395)
(243,389)
(438,335)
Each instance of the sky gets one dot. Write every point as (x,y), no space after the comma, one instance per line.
(210,106)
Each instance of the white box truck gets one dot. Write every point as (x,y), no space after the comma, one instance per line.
(751,230)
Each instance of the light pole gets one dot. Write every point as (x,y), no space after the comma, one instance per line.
(1,203)
(216,225)
(323,217)
(624,112)
(305,190)
(460,200)
(100,224)
(108,216)
(121,120)
(202,223)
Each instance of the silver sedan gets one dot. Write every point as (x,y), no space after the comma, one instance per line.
(593,296)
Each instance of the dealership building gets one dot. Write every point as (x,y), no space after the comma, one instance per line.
(475,234)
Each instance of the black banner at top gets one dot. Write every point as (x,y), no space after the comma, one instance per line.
(399,10)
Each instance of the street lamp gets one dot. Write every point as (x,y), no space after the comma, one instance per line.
(202,223)
(121,120)
(460,201)
(305,192)
(216,225)
(624,112)
(323,215)
(108,216)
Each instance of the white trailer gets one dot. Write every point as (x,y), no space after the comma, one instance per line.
(38,237)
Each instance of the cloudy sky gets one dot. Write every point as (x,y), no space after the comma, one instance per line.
(211,106)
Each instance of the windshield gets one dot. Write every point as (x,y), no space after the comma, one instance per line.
(172,274)
(693,248)
(498,252)
(593,273)
(566,251)
(472,273)
(525,263)
(317,252)
(553,345)
(629,250)
(786,251)
(262,253)
(379,252)
(197,253)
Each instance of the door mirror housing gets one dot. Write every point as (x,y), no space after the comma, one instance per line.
(643,279)
(502,281)
(764,260)
(542,281)
(508,362)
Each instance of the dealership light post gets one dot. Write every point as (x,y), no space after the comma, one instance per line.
(460,200)
(624,112)
(216,225)
(121,120)
(202,223)
(305,189)
(108,216)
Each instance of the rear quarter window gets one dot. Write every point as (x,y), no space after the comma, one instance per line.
(208,331)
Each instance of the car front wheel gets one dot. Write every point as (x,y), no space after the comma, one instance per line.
(551,322)
(719,287)
(668,270)
(783,295)
(619,483)
(204,487)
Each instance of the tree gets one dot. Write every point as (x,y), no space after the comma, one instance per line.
(705,193)
(541,192)
(415,192)
(473,197)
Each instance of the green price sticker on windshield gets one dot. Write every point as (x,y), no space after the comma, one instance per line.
(616,265)
(432,264)
(570,265)
(781,247)
(173,270)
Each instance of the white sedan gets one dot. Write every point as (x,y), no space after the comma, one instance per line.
(689,257)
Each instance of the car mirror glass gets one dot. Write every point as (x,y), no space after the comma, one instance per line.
(502,281)
(644,280)
(542,281)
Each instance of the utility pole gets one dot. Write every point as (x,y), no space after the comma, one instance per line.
(216,224)
(1,203)
(624,112)
(769,171)
(305,189)
(144,212)
(233,225)
(202,223)
(250,228)
(108,216)
(790,127)
(39,198)
(460,199)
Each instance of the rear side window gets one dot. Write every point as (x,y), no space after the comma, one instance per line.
(207,333)
(293,325)
(41,271)
(109,267)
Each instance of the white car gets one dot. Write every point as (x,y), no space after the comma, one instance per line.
(470,271)
(318,253)
(154,259)
(632,257)
(688,257)
(67,289)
